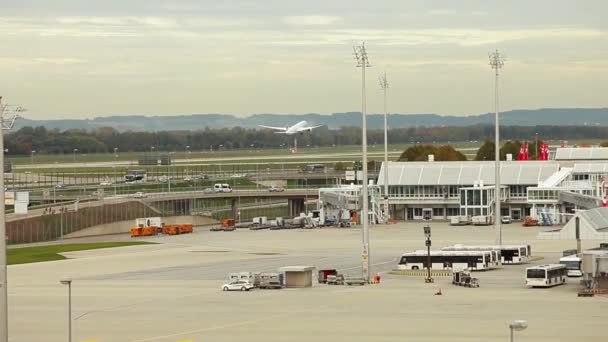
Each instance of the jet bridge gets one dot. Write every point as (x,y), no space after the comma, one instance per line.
(341,204)
(580,200)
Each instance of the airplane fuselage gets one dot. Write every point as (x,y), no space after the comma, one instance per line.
(295,128)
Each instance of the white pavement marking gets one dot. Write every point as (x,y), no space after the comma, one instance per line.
(218,327)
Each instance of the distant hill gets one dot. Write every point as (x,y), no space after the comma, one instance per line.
(546,116)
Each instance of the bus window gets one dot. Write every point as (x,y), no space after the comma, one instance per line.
(536,273)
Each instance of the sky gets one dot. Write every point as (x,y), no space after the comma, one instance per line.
(82,59)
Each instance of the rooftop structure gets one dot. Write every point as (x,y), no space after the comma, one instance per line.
(542,189)
(466,173)
(581,153)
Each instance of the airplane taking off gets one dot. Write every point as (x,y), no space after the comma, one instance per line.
(300,127)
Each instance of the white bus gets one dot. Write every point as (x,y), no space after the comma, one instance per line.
(573,265)
(495,260)
(222,187)
(509,254)
(446,260)
(136,176)
(515,254)
(546,275)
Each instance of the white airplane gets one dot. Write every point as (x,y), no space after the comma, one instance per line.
(300,127)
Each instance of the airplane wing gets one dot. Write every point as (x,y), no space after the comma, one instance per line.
(309,128)
(275,128)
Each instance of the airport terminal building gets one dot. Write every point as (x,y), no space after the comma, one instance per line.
(545,190)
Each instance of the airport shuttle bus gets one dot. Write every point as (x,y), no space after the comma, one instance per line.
(515,254)
(573,265)
(509,254)
(135,176)
(495,261)
(447,260)
(546,275)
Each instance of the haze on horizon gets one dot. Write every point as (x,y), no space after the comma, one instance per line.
(79,59)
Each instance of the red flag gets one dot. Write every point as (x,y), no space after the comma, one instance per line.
(526,153)
(522,150)
(544,152)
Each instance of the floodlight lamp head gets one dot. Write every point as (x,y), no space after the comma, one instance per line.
(518,325)
(383,82)
(66,281)
(497,60)
(361,55)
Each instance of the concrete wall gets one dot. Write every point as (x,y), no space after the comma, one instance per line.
(122,227)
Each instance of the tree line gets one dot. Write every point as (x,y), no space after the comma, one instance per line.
(105,139)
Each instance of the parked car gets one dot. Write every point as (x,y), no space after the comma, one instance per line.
(105,183)
(60,186)
(505,219)
(240,285)
(139,194)
(276,189)
(199,177)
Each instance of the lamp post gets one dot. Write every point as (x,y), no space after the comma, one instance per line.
(220,157)
(536,144)
(496,62)
(68,282)
(517,325)
(7,120)
(74,176)
(169,174)
(384,86)
(32,153)
(363,62)
(188,152)
(427,234)
(114,168)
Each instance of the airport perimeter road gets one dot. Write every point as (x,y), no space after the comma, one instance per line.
(170,292)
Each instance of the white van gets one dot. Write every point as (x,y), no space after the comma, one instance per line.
(222,188)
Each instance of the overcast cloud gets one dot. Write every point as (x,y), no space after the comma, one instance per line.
(74,59)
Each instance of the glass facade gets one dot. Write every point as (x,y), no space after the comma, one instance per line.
(423,191)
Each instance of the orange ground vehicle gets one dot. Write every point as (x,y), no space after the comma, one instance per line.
(530,222)
(175,229)
(144,231)
(228,223)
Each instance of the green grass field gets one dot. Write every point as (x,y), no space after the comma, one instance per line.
(26,255)
(246,154)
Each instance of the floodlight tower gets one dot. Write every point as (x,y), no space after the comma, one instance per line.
(8,115)
(384,86)
(363,62)
(497,60)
